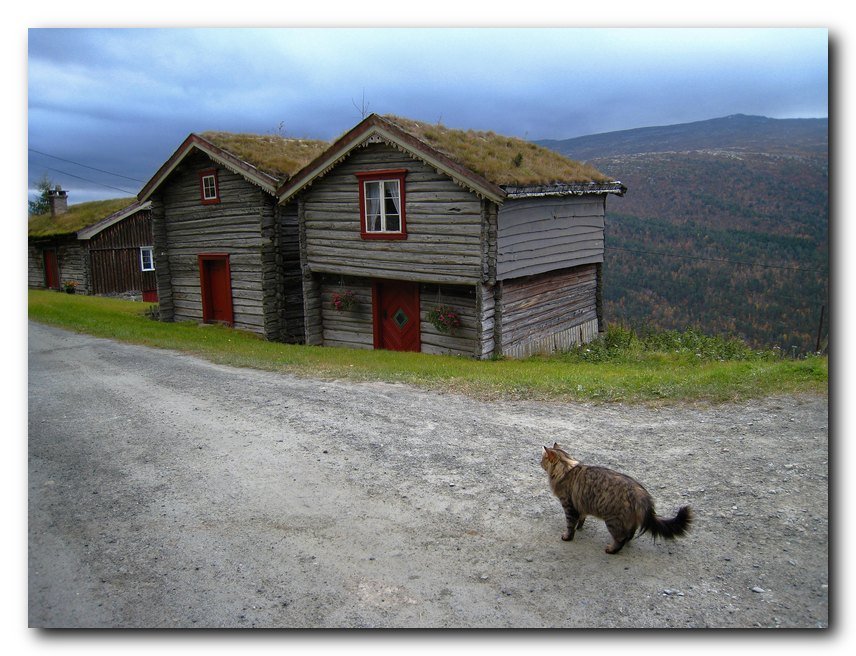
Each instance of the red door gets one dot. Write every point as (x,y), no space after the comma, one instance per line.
(215,279)
(51,269)
(396,315)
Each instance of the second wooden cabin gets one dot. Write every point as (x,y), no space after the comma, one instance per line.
(418,237)
(225,250)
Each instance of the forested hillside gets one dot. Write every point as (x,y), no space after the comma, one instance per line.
(724,227)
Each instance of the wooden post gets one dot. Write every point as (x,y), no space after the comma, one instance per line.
(601,328)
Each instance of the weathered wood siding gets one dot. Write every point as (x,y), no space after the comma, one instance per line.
(289,279)
(239,225)
(463,300)
(35,266)
(549,312)
(71,261)
(536,235)
(114,256)
(354,328)
(444,224)
(350,328)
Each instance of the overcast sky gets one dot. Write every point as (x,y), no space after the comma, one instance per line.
(122,100)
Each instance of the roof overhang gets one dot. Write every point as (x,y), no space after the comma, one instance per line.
(90,231)
(565,189)
(196,143)
(375,129)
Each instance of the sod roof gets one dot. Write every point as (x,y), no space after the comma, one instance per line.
(504,161)
(278,156)
(78,216)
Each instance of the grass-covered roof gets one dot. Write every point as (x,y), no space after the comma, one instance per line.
(78,216)
(278,156)
(504,161)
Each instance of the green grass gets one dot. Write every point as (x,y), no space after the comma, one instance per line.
(667,367)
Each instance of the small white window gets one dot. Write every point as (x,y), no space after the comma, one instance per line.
(147,258)
(209,187)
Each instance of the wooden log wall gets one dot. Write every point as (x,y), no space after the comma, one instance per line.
(444,224)
(289,275)
(71,261)
(536,235)
(463,300)
(35,266)
(355,328)
(350,328)
(549,312)
(163,271)
(233,226)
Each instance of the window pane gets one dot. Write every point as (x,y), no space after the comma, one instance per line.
(208,187)
(372,191)
(393,223)
(147,259)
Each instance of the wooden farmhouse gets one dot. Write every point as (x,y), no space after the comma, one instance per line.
(99,247)
(225,249)
(418,237)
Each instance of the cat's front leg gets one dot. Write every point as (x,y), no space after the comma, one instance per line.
(571,517)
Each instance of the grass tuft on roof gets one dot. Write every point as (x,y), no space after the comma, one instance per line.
(278,156)
(78,217)
(501,160)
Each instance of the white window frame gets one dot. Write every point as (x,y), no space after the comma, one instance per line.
(209,186)
(151,251)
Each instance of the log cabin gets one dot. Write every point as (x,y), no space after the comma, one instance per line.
(225,250)
(419,237)
(98,247)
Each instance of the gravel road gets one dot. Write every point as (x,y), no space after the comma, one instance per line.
(165,491)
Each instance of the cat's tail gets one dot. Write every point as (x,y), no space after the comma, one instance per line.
(668,528)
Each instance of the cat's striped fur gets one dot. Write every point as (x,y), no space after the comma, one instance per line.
(616,498)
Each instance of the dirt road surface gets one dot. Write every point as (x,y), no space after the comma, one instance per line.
(165,491)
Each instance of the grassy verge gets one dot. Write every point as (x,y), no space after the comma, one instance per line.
(667,367)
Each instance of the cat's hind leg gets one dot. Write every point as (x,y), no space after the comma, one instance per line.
(581,521)
(620,537)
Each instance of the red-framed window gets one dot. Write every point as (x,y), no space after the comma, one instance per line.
(382,204)
(209,186)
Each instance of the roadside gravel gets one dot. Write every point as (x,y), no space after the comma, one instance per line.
(165,491)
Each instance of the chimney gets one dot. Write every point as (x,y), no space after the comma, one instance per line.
(58,200)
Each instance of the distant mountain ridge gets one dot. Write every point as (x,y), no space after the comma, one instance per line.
(724,226)
(738,131)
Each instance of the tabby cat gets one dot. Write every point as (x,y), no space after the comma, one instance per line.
(615,498)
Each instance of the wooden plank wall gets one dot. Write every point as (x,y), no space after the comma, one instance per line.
(549,312)
(444,224)
(536,235)
(114,256)
(232,226)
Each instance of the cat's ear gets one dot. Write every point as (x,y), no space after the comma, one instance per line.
(556,445)
(551,455)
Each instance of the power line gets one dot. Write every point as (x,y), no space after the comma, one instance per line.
(119,175)
(713,259)
(124,191)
